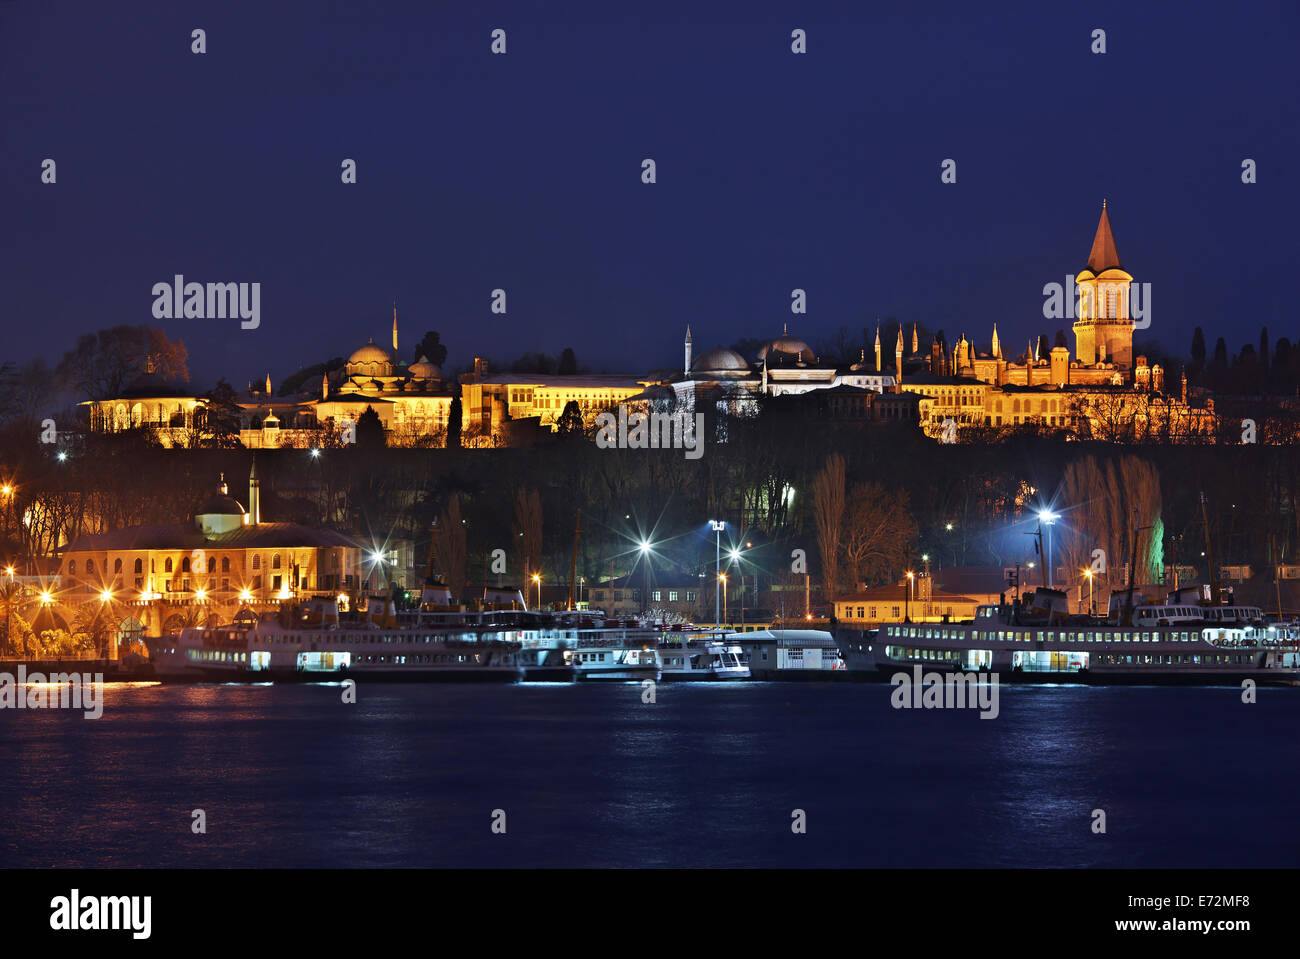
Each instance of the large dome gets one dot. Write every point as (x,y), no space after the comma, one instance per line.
(720,360)
(370,354)
(784,348)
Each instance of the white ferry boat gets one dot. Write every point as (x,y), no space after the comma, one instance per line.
(1038,641)
(614,660)
(702,658)
(583,645)
(312,643)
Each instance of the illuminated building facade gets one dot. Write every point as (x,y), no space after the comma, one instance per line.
(166,576)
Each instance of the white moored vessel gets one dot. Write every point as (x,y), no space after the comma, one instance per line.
(1039,641)
(311,643)
(701,658)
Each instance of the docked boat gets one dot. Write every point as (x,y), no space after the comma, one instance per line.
(1038,641)
(614,660)
(701,659)
(313,643)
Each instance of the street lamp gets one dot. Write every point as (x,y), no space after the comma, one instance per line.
(718,526)
(106,596)
(735,558)
(1091,606)
(538,580)
(645,548)
(722,583)
(1048,519)
(907,607)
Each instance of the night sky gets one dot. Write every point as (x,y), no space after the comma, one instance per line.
(523,171)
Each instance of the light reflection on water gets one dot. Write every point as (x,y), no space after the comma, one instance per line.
(708,775)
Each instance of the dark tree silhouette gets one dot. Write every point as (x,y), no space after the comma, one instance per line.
(454,424)
(370,430)
(431,348)
(570,422)
(568,362)
(1198,350)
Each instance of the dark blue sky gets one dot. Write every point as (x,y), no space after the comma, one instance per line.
(522,171)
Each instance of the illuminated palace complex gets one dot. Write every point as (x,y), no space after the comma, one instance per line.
(162,577)
(1102,392)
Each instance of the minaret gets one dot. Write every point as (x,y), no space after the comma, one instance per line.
(915,342)
(688,351)
(1030,357)
(877,347)
(898,361)
(394,331)
(997,347)
(268,384)
(324,386)
(254,496)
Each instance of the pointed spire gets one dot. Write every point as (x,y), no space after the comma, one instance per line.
(997,347)
(268,384)
(688,332)
(877,334)
(394,328)
(1104,255)
(915,342)
(785,329)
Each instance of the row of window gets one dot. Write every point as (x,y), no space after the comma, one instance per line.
(1044,635)
(186,566)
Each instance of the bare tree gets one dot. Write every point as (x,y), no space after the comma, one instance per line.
(449,548)
(828,511)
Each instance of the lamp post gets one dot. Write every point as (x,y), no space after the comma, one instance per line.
(1048,519)
(718,526)
(907,603)
(645,575)
(1091,607)
(538,580)
(722,584)
(735,558)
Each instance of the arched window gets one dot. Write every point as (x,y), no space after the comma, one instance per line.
(212,564)
(139,566)
(185,565)
(275,561)
(167,567)
(117,566)
(72,566)
(225,564)
(257,561)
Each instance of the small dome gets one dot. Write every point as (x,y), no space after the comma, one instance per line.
(370,354)
(720,360)
(424,370)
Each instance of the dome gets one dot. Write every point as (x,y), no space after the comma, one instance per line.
(370,354)
(801,351)
(424,370)
(718,359)
(220,505)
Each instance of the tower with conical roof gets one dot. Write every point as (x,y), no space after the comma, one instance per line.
(1103,328)
(687,368)
(877,347)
